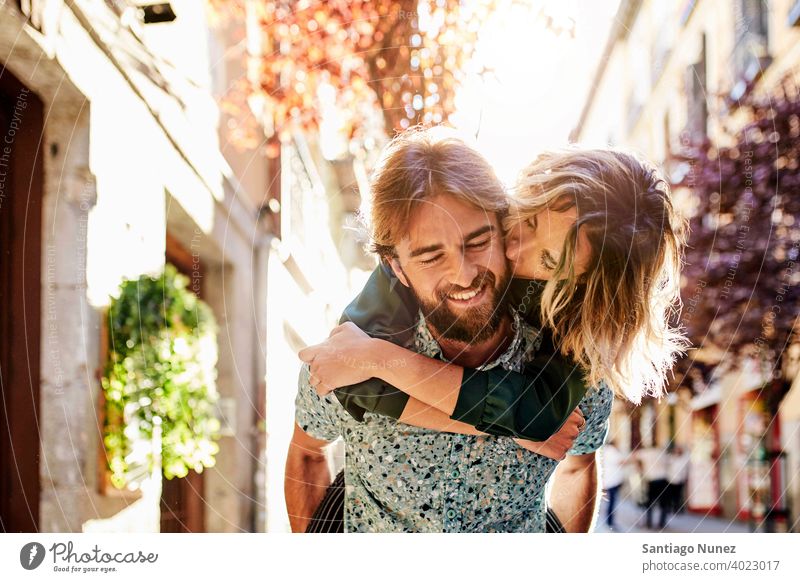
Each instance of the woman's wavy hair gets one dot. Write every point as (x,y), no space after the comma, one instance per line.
(615,318)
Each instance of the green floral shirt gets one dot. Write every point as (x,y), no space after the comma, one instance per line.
(404,478)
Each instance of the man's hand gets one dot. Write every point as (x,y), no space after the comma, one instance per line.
(341,360)
(556,446)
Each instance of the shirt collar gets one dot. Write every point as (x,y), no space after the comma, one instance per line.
(428,345)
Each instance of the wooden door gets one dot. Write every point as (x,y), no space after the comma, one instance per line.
(20,296)
(183,500)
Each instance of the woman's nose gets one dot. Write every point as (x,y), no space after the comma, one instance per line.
(512,247)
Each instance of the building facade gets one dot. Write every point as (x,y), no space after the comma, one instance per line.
(116,164)
(670,70)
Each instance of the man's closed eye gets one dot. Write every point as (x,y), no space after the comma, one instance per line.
(432,260)
(480,244)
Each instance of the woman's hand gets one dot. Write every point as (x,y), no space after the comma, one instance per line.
(556,446)
(345,358)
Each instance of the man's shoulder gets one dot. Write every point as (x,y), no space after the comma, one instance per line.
(599,396)
(530,332)
(528,338)
(319,416)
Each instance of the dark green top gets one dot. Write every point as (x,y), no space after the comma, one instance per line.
(531,405)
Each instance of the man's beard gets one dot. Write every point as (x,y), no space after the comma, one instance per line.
(472,325)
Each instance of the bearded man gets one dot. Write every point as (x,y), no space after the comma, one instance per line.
(440,205)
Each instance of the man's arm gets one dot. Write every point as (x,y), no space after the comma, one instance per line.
(306,480)
(574,496)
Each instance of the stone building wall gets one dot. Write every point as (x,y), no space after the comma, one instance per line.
(131,153)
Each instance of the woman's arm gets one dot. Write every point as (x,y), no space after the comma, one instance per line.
(431,381)
(419,414)
(533,405)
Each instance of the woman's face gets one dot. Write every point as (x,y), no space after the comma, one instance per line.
(534,246)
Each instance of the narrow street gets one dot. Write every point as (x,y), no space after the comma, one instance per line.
(629,518)
(194,192)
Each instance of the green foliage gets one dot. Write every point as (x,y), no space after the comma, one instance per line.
(160,376)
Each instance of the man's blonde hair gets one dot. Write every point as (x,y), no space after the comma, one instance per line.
(419,164)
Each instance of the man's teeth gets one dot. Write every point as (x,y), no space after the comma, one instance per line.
(465,295)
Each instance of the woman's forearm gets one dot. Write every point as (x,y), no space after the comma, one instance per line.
(372,375)
(428,380)
(417,413)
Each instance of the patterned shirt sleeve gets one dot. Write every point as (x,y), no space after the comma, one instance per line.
(596,408)
(320,417)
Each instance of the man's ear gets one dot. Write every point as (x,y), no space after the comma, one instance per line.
(398,271)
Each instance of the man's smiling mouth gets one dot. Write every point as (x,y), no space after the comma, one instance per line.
(469,296)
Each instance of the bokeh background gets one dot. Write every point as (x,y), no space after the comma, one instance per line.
(233,140)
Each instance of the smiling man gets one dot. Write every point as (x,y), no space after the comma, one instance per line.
(464,307)
(452,259)
(437,207)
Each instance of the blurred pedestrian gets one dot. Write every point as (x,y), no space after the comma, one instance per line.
(653,461)
(613,463)
(677,475)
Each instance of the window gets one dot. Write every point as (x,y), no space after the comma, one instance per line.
(696,94)
(663,23)
(751,49)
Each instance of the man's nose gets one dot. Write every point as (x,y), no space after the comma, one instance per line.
(463,273)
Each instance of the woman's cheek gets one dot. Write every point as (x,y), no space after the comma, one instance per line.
(518,254)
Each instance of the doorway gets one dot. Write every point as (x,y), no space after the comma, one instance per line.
(21,126)
(183,500)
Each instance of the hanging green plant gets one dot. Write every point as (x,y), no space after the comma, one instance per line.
(160,379)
